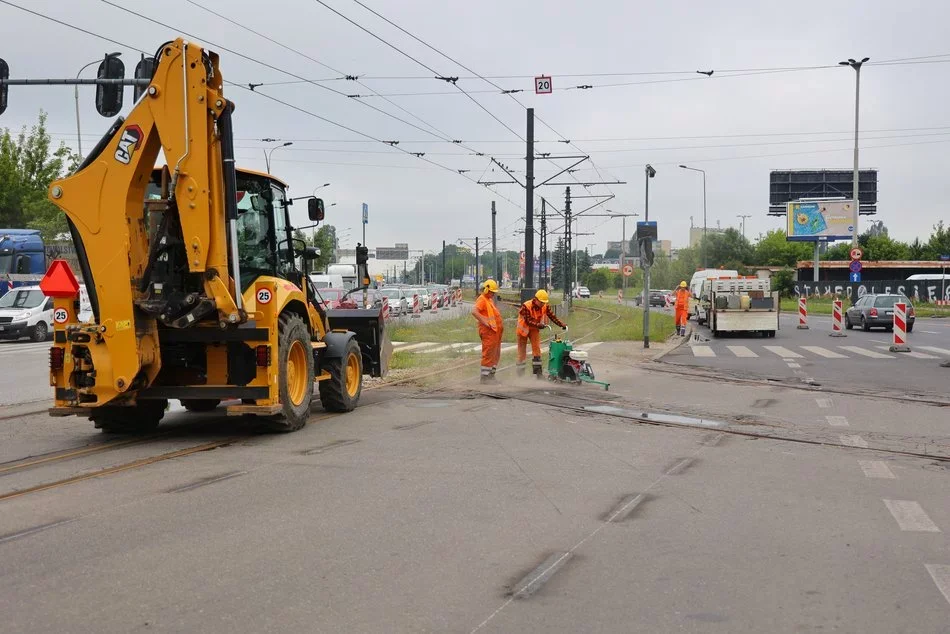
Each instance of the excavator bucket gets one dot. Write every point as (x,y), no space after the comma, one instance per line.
(370,330)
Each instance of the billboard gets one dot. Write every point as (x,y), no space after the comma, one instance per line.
(398,252)
(787,186)
(820,221)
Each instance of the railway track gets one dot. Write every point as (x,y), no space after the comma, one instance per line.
(588,328)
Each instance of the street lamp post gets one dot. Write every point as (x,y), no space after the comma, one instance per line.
(623,242)
(857,102)
(269,152)
(743,216)
(649,173)
(76,96)
(695,169)
(319,187)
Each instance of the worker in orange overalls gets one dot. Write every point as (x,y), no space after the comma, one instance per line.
(490,329)
(681,306)
(532,317)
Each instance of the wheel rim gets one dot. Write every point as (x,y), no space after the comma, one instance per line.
(297,373)
(352,375)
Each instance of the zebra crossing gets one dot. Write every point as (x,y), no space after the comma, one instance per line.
(431,347)
(15,348)
(808,352)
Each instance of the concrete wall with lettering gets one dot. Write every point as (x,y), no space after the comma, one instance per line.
(927,292)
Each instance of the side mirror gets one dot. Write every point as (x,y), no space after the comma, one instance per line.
(109,98)
(315,209)
(310,253)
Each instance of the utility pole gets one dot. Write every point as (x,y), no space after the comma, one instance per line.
(543,251)
(743,216)
(565,262)
(649,173)
(529,205)
(445,280)
(494,246)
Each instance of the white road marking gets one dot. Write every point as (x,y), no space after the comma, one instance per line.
(931,332)
(910,516)
(399,344)
(793,365)
(916,355)
(785,353)
(509,346)
(937,350)
(824,352)
(941,576)
(824,403)
(416,346)
(703,351)
(854,441)
(588,346)
(876,469)
(742,351)
(866,353)
(837,421)
(438,349)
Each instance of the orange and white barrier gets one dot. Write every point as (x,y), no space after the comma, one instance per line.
(435,302)
(385,308)
(458,295)
(445,300)
(620,297)
(900,328)
(836,319)
(802,313)
(415,306)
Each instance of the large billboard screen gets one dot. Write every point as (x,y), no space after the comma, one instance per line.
(787,186)
(821,220)
(392,253)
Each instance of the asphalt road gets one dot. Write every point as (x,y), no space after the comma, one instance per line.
(543,508)
(861,360)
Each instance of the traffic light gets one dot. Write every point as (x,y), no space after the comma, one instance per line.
(4,89)
(362,267)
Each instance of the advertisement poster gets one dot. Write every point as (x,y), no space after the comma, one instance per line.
(821,220)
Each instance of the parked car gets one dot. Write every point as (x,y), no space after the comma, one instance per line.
(583,292)
(398,303)
(26,312)
(877,311)
(658,298)
(425,300)
(331,297)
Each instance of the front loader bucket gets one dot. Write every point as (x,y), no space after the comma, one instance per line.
(370,330)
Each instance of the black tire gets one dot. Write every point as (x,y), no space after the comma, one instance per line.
(201,404)
(294,415)
(889,328)
(847,322)
(137,419)
(40,332)
(770,334)
(865,326)
(335,394)
(910,327)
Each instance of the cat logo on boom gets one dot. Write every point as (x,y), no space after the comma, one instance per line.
(129,142)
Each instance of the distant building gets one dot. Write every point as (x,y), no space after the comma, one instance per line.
(666,246)
(614,245)
(696,234)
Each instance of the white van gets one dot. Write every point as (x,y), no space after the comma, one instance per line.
(697,291)
(26,312)
(321,280)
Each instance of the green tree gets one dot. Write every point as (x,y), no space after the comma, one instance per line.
(325,240)
(28,164)
(597,280)
(883,247)
(775,250)
(728,249)
(939,243)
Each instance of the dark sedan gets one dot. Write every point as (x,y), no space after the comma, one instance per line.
(877,311)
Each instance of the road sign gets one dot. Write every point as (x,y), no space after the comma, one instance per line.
(365,214)
(627,271)
(856,253)
(542,85)
(855,277)
(646,230)
(855,266)
(945,257)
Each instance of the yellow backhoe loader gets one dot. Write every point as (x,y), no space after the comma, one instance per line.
(199,290)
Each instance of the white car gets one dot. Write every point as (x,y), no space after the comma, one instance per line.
(398,304)
(583,292)
(26,312)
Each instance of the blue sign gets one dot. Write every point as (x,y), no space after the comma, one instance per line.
(646,230)
(365,213)
(855,277)
(945,257)
(855,266)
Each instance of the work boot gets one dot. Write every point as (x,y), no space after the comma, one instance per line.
(488,378)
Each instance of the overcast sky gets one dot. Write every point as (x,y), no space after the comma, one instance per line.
(736,128)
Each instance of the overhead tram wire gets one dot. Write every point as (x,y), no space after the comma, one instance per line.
(460,64)
(246,88)
(436,74)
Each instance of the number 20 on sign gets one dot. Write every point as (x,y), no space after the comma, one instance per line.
(542,85)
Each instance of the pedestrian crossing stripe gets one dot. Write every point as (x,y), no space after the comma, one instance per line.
(21,348)
(842,352)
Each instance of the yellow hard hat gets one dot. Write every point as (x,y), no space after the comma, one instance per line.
(490,286)
(683,284)
(541,296)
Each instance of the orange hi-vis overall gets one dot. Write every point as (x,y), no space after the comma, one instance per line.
(532,317)
(491,335)
(681,307)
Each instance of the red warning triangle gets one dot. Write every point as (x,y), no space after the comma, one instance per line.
(59,280)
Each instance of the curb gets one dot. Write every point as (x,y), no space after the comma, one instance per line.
(683,341)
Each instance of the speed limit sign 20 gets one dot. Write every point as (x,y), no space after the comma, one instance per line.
(542,85)
(264,295)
